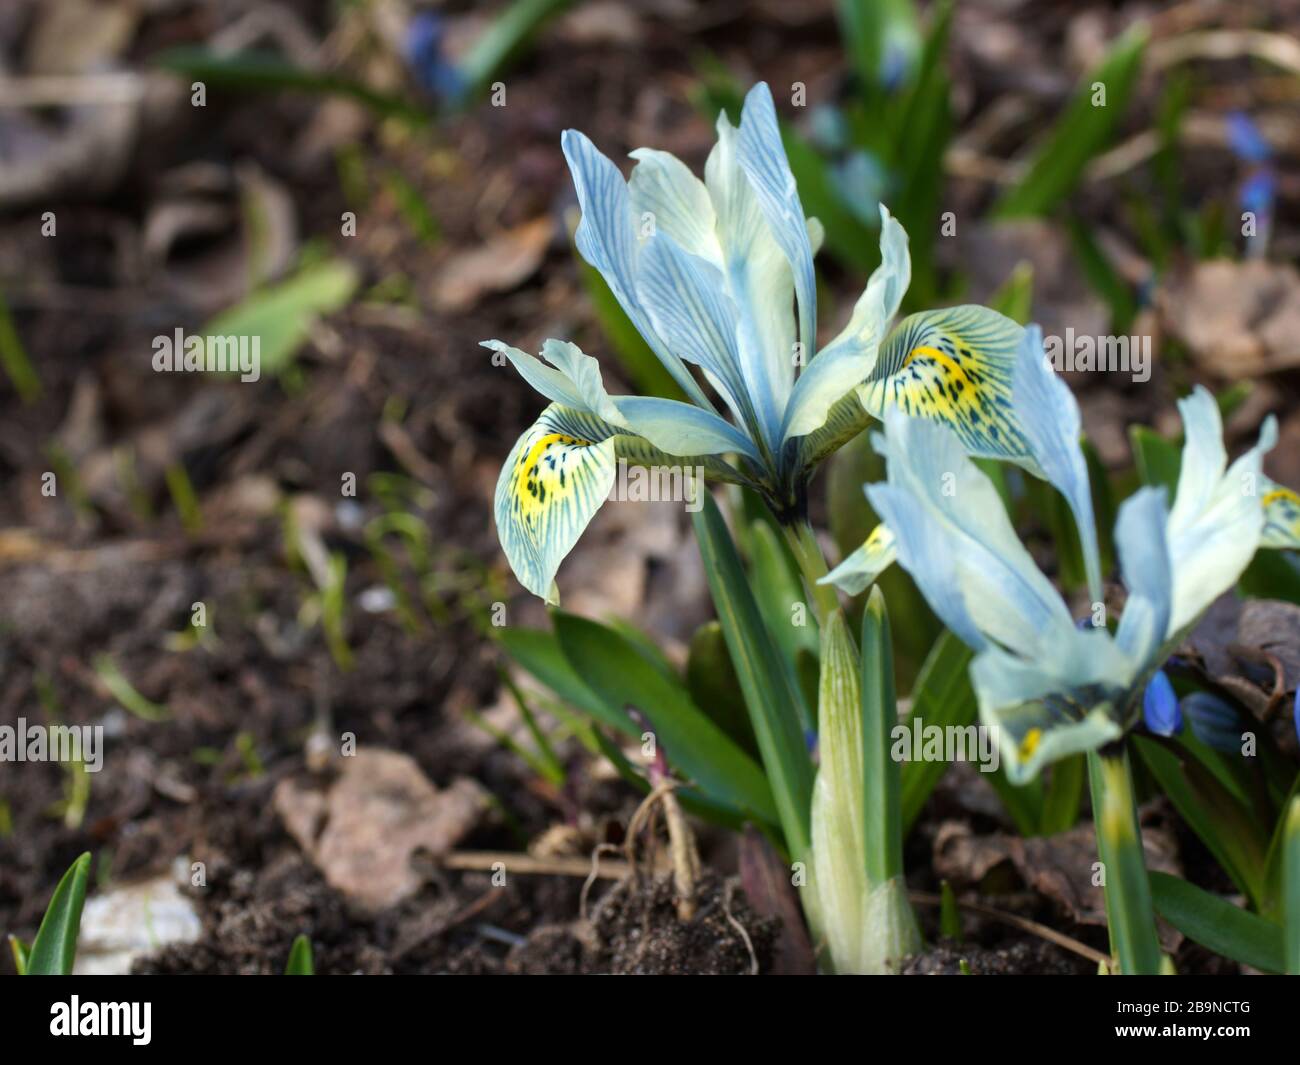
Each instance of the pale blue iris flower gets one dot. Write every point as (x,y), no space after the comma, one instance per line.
(717,276)
(1048,687)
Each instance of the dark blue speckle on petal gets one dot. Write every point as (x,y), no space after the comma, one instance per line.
(1160,706)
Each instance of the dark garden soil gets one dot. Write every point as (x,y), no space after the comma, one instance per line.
(103,573)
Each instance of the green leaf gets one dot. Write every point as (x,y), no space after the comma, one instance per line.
(615,669)
(1291,884)
(942,696)
(281,316)
(507,36)
(950,926)
(872,29)
(255,71)
(1082,131)
(13,358)
(539,652)
(54,950)
(639,362)
(1103,277)
(300,963)
(1158,460)
(715,688)
(1064,795)
(1015,296)
(20,951)
(1272,575)
(1217,924)
(770,691)
(778,588)
(881,775)
(1023,802)
(1228,829)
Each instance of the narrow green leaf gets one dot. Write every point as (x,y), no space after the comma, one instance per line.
(1217,924)
(20,951)
(715,687)
(507,36)
(1023,802)
(1015,296)
(257,71)
(770,691)
(950,926)
(942,696)
(1158,460)
(881,773)
(300,961)
(1227,828)
(280,316)
(1083,131)
(54,950)
(780,593)
(539,652)
(13,358)
(614,668)
(1291,885)
(1064,794)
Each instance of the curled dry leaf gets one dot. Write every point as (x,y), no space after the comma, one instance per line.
(505,261)
(1238,319)
(363,828)
(1251,649)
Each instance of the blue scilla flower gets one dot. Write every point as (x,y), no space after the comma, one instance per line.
(1213,721)
(1245,139)
(425,36)
(1160,706)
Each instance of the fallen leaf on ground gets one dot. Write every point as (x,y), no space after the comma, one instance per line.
(363,828)
(505,261)
(1238,319)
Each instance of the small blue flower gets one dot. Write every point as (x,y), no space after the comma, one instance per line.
(425,36)
(1246,140)
(1160,706)
(1258,192)
(1213,721)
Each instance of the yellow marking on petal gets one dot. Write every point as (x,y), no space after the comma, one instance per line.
(1030,743)
(947,361)
(1280,494)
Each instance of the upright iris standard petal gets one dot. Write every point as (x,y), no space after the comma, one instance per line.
(1160,706)
(1143,547)
(1216,520)
(1050,420)
(607,240)
(762,156)
(849,359)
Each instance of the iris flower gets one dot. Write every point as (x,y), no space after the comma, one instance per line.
(1048,686)
(717,276)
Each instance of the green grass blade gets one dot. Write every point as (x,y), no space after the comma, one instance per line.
(54,950)
(20,952)
(1217,924)
(1064,795)
(770,691)
(508,35)
(300,961)
(1083,131)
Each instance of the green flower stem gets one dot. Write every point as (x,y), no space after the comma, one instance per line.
(812,564)
(1128,892)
